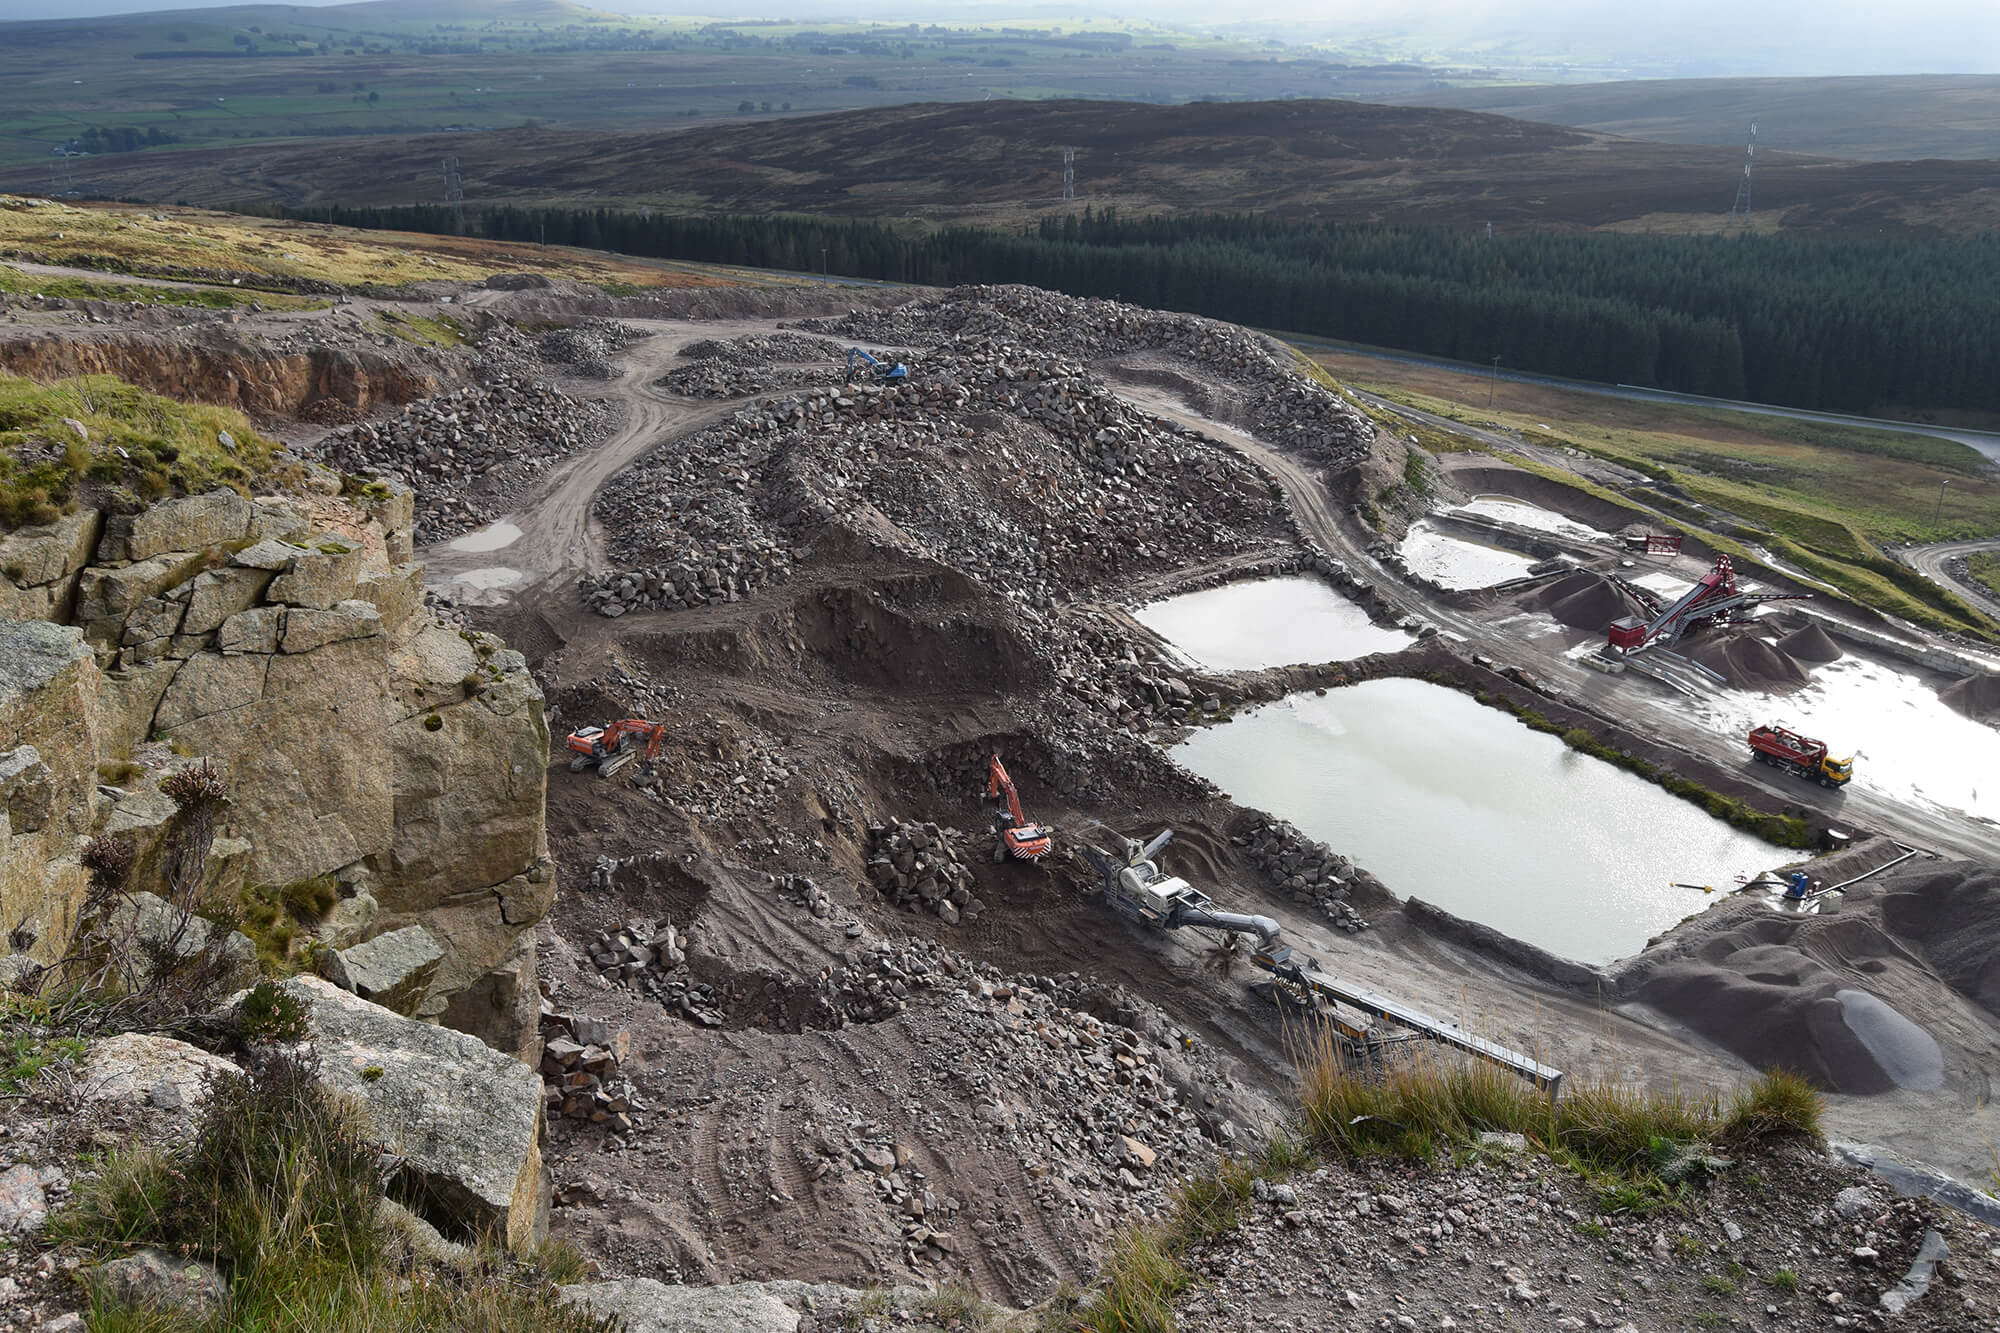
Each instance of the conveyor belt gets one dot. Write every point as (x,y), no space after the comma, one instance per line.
(1282,963)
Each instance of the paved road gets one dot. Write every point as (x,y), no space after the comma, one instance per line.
(1933,563)
(1984,442)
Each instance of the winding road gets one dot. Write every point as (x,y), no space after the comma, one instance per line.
(1934,563)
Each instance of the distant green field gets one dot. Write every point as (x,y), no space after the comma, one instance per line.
(149,82)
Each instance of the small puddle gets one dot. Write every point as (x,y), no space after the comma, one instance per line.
(1267,623)
(1464,807)
(493,537)
(494,576)
(1458,564)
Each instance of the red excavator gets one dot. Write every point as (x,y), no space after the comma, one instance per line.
(1018,838)
(611,748)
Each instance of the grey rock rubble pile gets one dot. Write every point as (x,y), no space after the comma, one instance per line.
(754,364)
(1509,1240)
(651,958)
(1292,410)
(919,866)
(466,450)
(1019,468)
(726,573)
(763,349)
(586,349)
(1304,870)
(580,1080)
(1127,1114)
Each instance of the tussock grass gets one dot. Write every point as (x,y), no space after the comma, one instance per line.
(1432,1102)
(280,1189)
(168,448)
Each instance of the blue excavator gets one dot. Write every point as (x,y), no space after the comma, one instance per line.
(859,363)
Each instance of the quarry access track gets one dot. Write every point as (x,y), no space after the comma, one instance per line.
(559,537)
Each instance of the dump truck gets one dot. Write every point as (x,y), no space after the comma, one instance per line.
(1800,755)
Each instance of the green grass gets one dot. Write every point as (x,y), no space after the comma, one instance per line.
(1642,1151)
(1649,1141)
(274,915)
(31,1040)
(1983,568)
(438,332)
(169,448)
(280,1190)
(1782,1279)
(205,298)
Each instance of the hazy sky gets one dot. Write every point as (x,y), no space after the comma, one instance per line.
(1653,36)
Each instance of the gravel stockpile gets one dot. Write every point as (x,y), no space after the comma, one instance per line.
(1747,661)
(1811,645)
(586,349)
(1290,410)
(1978,697)
(1583,600)
(467,450)
(1021,469)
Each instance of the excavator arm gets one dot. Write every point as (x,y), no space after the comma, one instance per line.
(1019,837)
(999,784)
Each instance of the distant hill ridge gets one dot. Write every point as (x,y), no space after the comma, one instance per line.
(1000,162)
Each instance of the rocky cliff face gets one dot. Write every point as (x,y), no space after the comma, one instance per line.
(285,639)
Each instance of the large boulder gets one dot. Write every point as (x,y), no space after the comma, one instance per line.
(302,743)
(49,723)
(163,1283)
(321,575)
(154,936)
(143,1069)
(392,970)
(218,594)
(464,1119)
(39,566)
(177,525)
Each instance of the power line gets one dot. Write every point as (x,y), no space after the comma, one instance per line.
(455,193)
(1742,204)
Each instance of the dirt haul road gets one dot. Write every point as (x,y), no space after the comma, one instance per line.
(558,538)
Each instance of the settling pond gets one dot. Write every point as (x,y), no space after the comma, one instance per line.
(1460,805)
(1267,623)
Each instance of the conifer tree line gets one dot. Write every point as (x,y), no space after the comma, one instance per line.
(1827,320)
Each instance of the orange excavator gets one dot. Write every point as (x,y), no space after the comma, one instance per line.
(1019,838)
(613,747)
